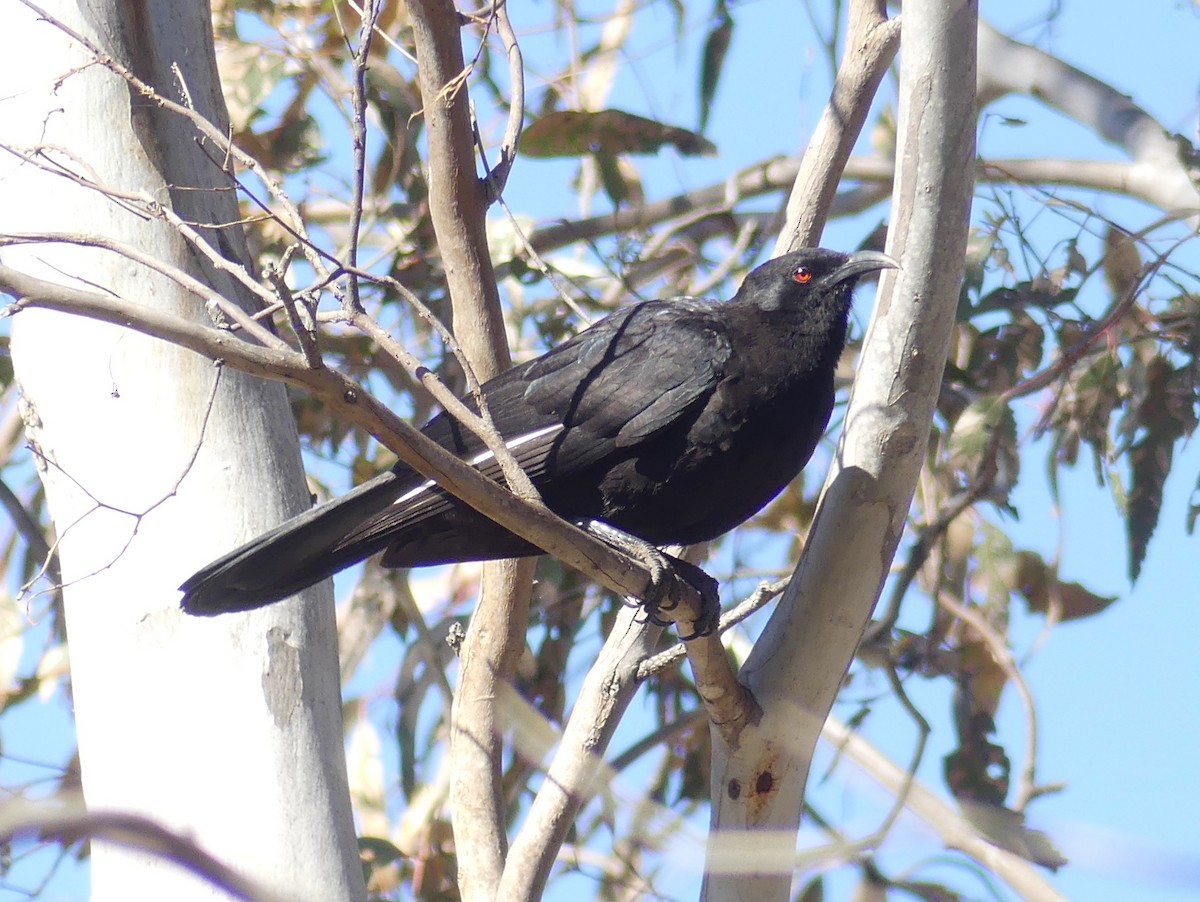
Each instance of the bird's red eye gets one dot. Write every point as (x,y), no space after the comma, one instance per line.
(803,275)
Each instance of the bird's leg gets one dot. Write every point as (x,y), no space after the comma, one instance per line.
(658,562)
(662,566)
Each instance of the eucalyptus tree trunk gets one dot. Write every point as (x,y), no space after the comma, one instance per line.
(798,664)
(154,461)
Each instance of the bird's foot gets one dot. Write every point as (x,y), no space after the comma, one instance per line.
(663,596)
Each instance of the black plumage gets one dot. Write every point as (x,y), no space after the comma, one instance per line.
(672,420)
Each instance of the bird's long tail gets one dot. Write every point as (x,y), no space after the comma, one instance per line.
(294,555)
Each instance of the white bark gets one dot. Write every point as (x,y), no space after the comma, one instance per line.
(154,462)
(797,665)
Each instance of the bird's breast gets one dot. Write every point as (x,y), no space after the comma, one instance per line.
(724,466)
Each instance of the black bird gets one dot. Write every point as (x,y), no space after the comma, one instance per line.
(673,421)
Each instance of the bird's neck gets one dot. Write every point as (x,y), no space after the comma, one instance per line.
(816,331)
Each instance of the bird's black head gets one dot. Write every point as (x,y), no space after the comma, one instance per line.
(808,277)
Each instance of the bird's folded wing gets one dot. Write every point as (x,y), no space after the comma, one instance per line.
(612,386)
(615,387)
(428,500)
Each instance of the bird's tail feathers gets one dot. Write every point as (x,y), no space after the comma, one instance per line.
(294,555)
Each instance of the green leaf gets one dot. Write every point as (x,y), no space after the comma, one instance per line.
(1042,293)
(1165,412)
(1149,465)
(1025,572)
(615,186)
(716,45)
(813,891)
(1007,829)
(975,436)
(573,133)
(1193,508)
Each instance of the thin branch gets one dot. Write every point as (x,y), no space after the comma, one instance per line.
(434,322)
(72,821)
(1161,176)
(577,765)
(686,720)
(850,850)
(871,42)
(145,206)
(516,477)
(949,824)
(923,730)
(1072,355)
(295,222)
(215,301)
(497,178)
(303,326)
(730,705)
(358,136)
(481,424)
(1004,659)
(540,265)
(533,522)
(872,173)
(457,207)
(729,619)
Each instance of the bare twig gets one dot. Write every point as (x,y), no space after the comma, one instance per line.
(954,829)
(1003,657)
(294,221)
(358,135)
(347,398)
(577,764)
(498,176)
(871,42)
(69,819)
(50,159)
(434,322)
(303,325)
(214,300)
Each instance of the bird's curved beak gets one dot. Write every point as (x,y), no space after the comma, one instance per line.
(860,263)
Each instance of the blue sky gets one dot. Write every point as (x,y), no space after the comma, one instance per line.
(1117,694)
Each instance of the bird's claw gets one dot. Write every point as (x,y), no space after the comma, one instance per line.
(661,597)
(709,615)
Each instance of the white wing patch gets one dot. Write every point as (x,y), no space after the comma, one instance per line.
(515,443)
(413,493)
(483,457)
